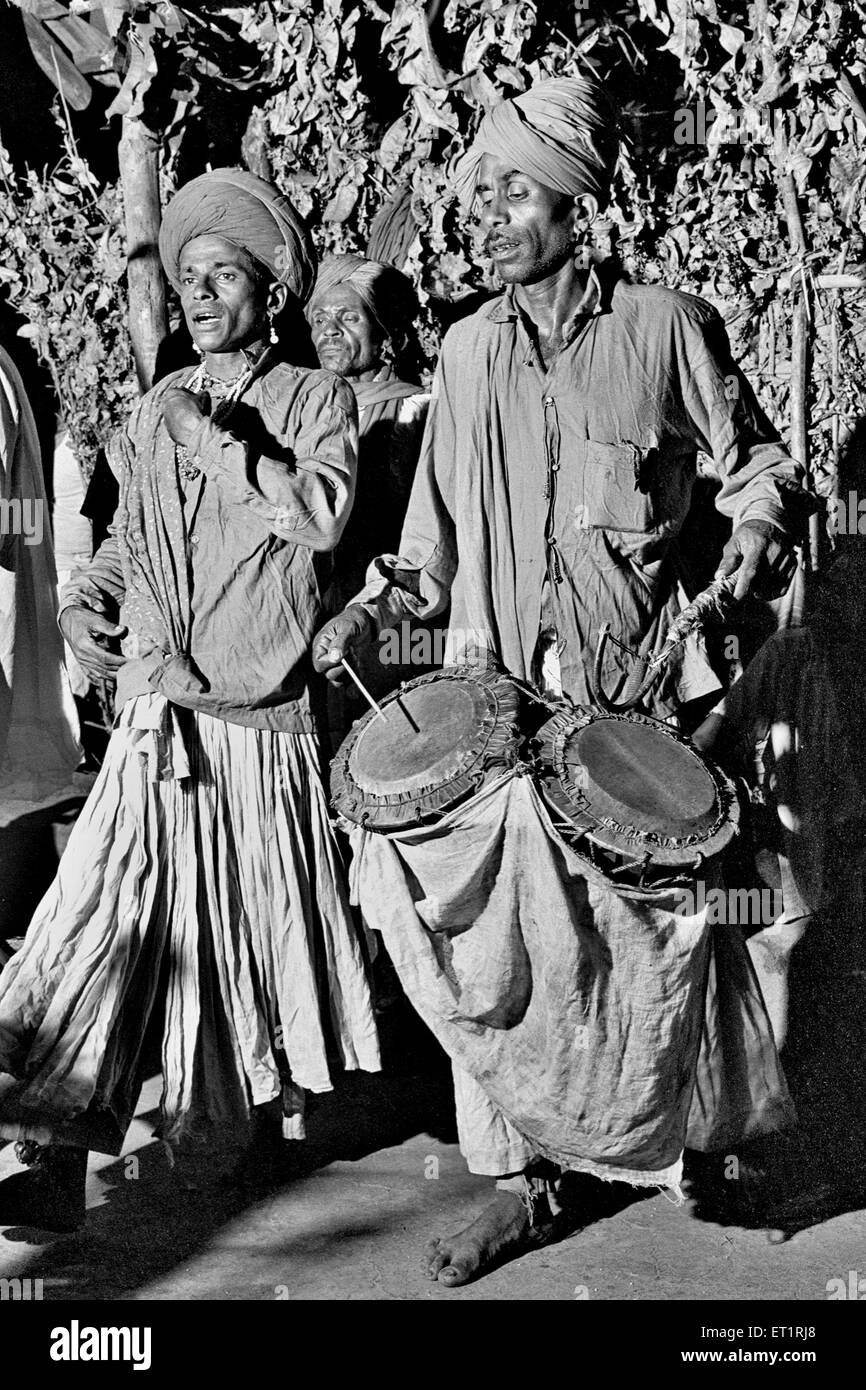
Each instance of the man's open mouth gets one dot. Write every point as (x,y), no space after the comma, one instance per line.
(502,246)
(206,318)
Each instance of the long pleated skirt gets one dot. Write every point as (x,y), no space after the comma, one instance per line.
(201,897)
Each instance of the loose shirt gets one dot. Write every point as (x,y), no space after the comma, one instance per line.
(551,497)
(220,579)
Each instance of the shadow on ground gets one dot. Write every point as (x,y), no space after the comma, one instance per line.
(156,1216)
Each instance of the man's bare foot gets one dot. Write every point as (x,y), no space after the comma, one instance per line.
(502,1228)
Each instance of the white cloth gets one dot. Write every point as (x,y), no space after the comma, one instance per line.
(203,868)
(73,538)
(38,731)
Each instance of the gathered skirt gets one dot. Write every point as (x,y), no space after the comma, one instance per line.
(201,892)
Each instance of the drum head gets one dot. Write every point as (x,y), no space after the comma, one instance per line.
(637,791)
(436,741)
(642,777)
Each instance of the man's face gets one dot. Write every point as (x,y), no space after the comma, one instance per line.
(344,336)
(223,300)
(528,227)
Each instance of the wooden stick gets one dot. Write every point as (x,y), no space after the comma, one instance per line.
(374,704)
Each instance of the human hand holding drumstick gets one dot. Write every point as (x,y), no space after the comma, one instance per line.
(347,633)
(350,631)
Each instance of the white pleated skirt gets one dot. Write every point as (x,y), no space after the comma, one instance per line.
(202,891)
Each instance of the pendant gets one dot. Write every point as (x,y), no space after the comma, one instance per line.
(185,466)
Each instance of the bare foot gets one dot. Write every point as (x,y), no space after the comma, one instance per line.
(502,1227)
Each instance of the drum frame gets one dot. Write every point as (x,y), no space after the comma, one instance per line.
(661,863)
(498,750)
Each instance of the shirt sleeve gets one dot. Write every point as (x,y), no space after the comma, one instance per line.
(306,494)
(417,581)
(760,481)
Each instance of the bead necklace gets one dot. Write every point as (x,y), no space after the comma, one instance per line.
(228,393)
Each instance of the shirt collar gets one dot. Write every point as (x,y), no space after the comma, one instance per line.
(595,299)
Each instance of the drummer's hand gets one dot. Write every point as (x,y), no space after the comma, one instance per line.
(761,556)
(343,635)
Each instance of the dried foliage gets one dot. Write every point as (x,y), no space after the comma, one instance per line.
(768,207)
(63,266)
(719,102)
(742,175)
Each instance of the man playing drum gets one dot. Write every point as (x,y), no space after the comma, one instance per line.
(555,476)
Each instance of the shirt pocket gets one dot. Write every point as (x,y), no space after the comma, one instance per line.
(618,491)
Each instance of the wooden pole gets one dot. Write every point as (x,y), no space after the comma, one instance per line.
(790,612)
(139,178)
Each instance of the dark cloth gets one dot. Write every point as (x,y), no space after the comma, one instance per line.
(391,417)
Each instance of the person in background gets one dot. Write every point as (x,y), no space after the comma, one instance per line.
(361,316)
(39,747)
(795,723)
(202,890)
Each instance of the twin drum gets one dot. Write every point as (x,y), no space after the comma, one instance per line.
(639,805)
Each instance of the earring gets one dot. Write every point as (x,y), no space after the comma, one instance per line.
(273,336)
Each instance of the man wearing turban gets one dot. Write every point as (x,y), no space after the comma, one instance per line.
(202,883)
(555,477)
(361,315)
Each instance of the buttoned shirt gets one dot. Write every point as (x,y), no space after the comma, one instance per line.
(549,496)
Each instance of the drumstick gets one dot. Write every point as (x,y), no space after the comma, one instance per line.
(374,704)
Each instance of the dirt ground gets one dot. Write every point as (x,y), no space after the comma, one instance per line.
(350,1219)
(346,1214)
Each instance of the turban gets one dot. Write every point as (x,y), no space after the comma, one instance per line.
(562,132)
(386,293)
(248,212)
